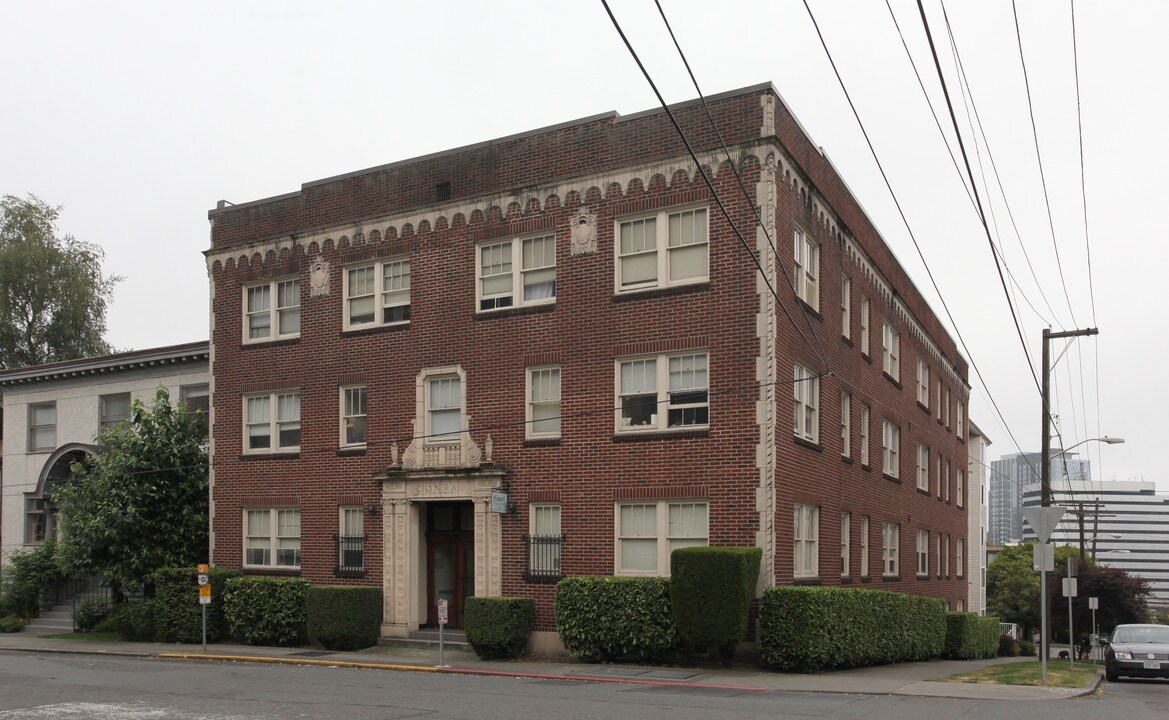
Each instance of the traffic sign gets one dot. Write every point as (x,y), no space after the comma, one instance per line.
(202,569)
(1070,588)
(204,591)
(1043,520)
(442,612)
(202,579)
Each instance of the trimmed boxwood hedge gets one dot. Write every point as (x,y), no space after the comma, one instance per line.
(178,616)
(608,618)
(498,627)
(711,589)
(266,610)
(806,629)
(344,617)
(970,636)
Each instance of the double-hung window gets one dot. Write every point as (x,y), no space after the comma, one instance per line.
(890,350)
(669,387)
(959,491)
(42,427)
(923,467)
(923,382)
(272,538)
(866,412)
(845,544)
(865,326)
(444,408)
(272,311)
(806,404)
(517,272)
(845,424)
(114,409)
(544,543)
(845,307)
(961,421)
(806,551)
(865,545)
(946,409)
(891,537)
(351,541)
(668,248)
(890,448)
(377,294)
(946,556)
(647,532)
(353,416)
(923,552)
(941,478)
(272,422)
(961,556)
(939,551)
(946,481)
(543,420)
(807,268)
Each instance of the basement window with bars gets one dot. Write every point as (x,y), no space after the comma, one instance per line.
(351,543)
(543,544)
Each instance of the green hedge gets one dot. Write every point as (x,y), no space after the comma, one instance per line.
(178,615)
(607,618)
(498,627)
(711,589)
(132,622)
(266,611)
(343,617)
(28,580)
(970,636)
(806,629)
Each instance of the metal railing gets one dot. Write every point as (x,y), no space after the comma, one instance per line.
(350,555)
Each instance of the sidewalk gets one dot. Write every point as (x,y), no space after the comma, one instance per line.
(901,679)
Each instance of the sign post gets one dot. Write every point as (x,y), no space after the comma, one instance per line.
(1043,521)
(442,621)
(1094,605)
(204,598)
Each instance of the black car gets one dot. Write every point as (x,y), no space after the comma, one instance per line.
(1137,651)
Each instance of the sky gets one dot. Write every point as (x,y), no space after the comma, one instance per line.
(137,117)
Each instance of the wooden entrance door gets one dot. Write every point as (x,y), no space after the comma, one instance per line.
(450,559)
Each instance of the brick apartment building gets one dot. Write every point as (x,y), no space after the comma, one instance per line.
(566,316)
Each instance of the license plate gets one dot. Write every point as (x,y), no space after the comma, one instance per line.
(1152,665)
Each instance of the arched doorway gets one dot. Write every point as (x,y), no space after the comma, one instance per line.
(40,507)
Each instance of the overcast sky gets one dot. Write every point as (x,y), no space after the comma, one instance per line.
(138,116)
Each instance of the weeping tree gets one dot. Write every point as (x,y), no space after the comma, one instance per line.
(141,503)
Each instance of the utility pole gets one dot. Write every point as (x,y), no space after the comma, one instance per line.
(1045,471)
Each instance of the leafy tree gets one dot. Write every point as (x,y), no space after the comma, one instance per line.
(1123,599)
(1012,588)
(53,295)
(141,504)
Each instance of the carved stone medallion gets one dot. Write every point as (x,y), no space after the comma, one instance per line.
(583,232)
(318,276)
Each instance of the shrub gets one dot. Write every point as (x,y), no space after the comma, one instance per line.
(1008,646)
(266,611)
(29,577)
(606,618)
(178,614)
(498,627)
(10,623)
(344,617)
(711,589)
(89,611)
(969,636)
(805,629)
(132,622)
(1026,648)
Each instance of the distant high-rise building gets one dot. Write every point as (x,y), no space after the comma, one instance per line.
(1007,478)
(1126,525)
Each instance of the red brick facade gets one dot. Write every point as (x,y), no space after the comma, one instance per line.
(744,462)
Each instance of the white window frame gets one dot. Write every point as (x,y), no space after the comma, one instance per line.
(923,553)
(353,413)
(923,467)
(845,424)
(959,494)
(542,390)
(523,269)
(190,393)
(274,537)
(389,293)
(274,311)
(663,535)
(806,404)
(806,541)
(946,481)
(865,326)
(960,549)
(939,551)
(891,350)
(939,399)
(961,421)
(550,527)
(866,417)
(346,529)
(439,384)
(40,431)
(947,409)
(637,395)
(941,477)
(923,382)
(891,449)
(277,416)
(846,307)
(890,549)
(865,529)
(662,250)
(106,416)
(806,253)
(946,556)
(845,544)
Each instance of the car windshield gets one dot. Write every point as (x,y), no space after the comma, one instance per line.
(1141,635)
